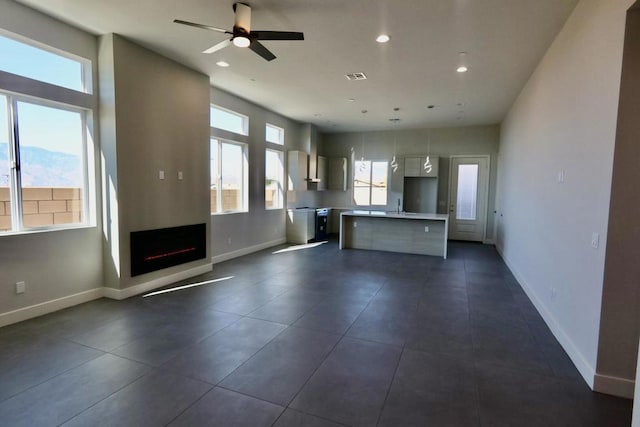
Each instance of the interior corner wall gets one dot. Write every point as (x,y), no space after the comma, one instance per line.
(160,123)
(563,123)
(239,233)
(445,142)
(60,267)
(620,318)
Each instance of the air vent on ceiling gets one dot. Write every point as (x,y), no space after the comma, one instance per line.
(356,76)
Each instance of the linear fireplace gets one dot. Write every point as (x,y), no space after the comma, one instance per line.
(153,250)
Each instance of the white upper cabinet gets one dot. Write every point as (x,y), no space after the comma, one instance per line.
(414,166)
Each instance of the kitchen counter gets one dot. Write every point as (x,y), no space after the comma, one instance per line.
(405,232)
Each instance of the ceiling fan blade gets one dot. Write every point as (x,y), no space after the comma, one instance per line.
(277,35)
(259,48)
(217,47)
(202,26)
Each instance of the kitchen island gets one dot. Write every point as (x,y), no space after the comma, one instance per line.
(405,232)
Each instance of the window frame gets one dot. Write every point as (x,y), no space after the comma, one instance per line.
(244,196)
(353,182)
(18,88)
(280,130)
(243,117)
(86,74)
(280,190)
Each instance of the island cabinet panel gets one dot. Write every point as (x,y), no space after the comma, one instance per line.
(415,234)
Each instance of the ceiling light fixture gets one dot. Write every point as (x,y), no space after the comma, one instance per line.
(222,64)
(241,41)
(383,38)
(462,69)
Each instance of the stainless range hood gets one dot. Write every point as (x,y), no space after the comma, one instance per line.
(310,144)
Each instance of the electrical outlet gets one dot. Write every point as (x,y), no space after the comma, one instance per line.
(228,240)
(180,175)
(21,287)
(355,224)
(561,177)
(595,240)
(553,292)
(426,228)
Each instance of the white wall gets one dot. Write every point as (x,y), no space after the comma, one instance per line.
(258,227)
(55,264)
(564,120)
(379,145)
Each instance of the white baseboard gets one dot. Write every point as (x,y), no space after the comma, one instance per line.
(615,386)
(120,294)
(36,310)
(489,241)
(584,367)
(246,251)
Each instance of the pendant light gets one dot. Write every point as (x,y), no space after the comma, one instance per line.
(428,167)
(394,161)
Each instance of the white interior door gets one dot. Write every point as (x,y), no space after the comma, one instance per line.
(468,192)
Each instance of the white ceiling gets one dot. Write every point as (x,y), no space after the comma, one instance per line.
(505,39)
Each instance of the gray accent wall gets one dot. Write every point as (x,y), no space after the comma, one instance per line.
(565,120)
(379,145)
(155,117)
(54,264)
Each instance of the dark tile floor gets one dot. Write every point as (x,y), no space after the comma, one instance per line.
(314,337)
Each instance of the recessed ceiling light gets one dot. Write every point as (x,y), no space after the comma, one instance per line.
(383,38)
(351,100)
(222,64)
(462,69)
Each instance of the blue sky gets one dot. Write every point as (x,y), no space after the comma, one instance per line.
(44,127)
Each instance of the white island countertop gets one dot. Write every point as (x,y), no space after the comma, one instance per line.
(401,215)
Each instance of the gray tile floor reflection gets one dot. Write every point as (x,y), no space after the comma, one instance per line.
(314,337)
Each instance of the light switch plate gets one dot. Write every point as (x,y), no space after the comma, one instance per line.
(21,287)
(161,174)
(180,175)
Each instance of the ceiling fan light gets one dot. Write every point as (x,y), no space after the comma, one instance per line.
(241,41)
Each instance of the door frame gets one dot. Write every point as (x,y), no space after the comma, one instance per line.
(486,192)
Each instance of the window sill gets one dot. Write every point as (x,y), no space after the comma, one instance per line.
(47,230)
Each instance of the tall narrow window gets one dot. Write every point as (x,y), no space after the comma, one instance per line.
(370,183)
(228,176)
(5,170)
(466,203)
(274,177)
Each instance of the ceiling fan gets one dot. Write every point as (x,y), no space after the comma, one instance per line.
(243,36)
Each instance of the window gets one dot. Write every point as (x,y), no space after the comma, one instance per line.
(45,151)
(228,176)
(466,203)
(47,66)
(370,183)
(43,173)
(274,134)
(273,179)
(228,120)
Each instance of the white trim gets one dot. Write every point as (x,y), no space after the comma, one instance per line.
(248,250)
(49,306)
(120,294)
(615,386)
(586,370)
